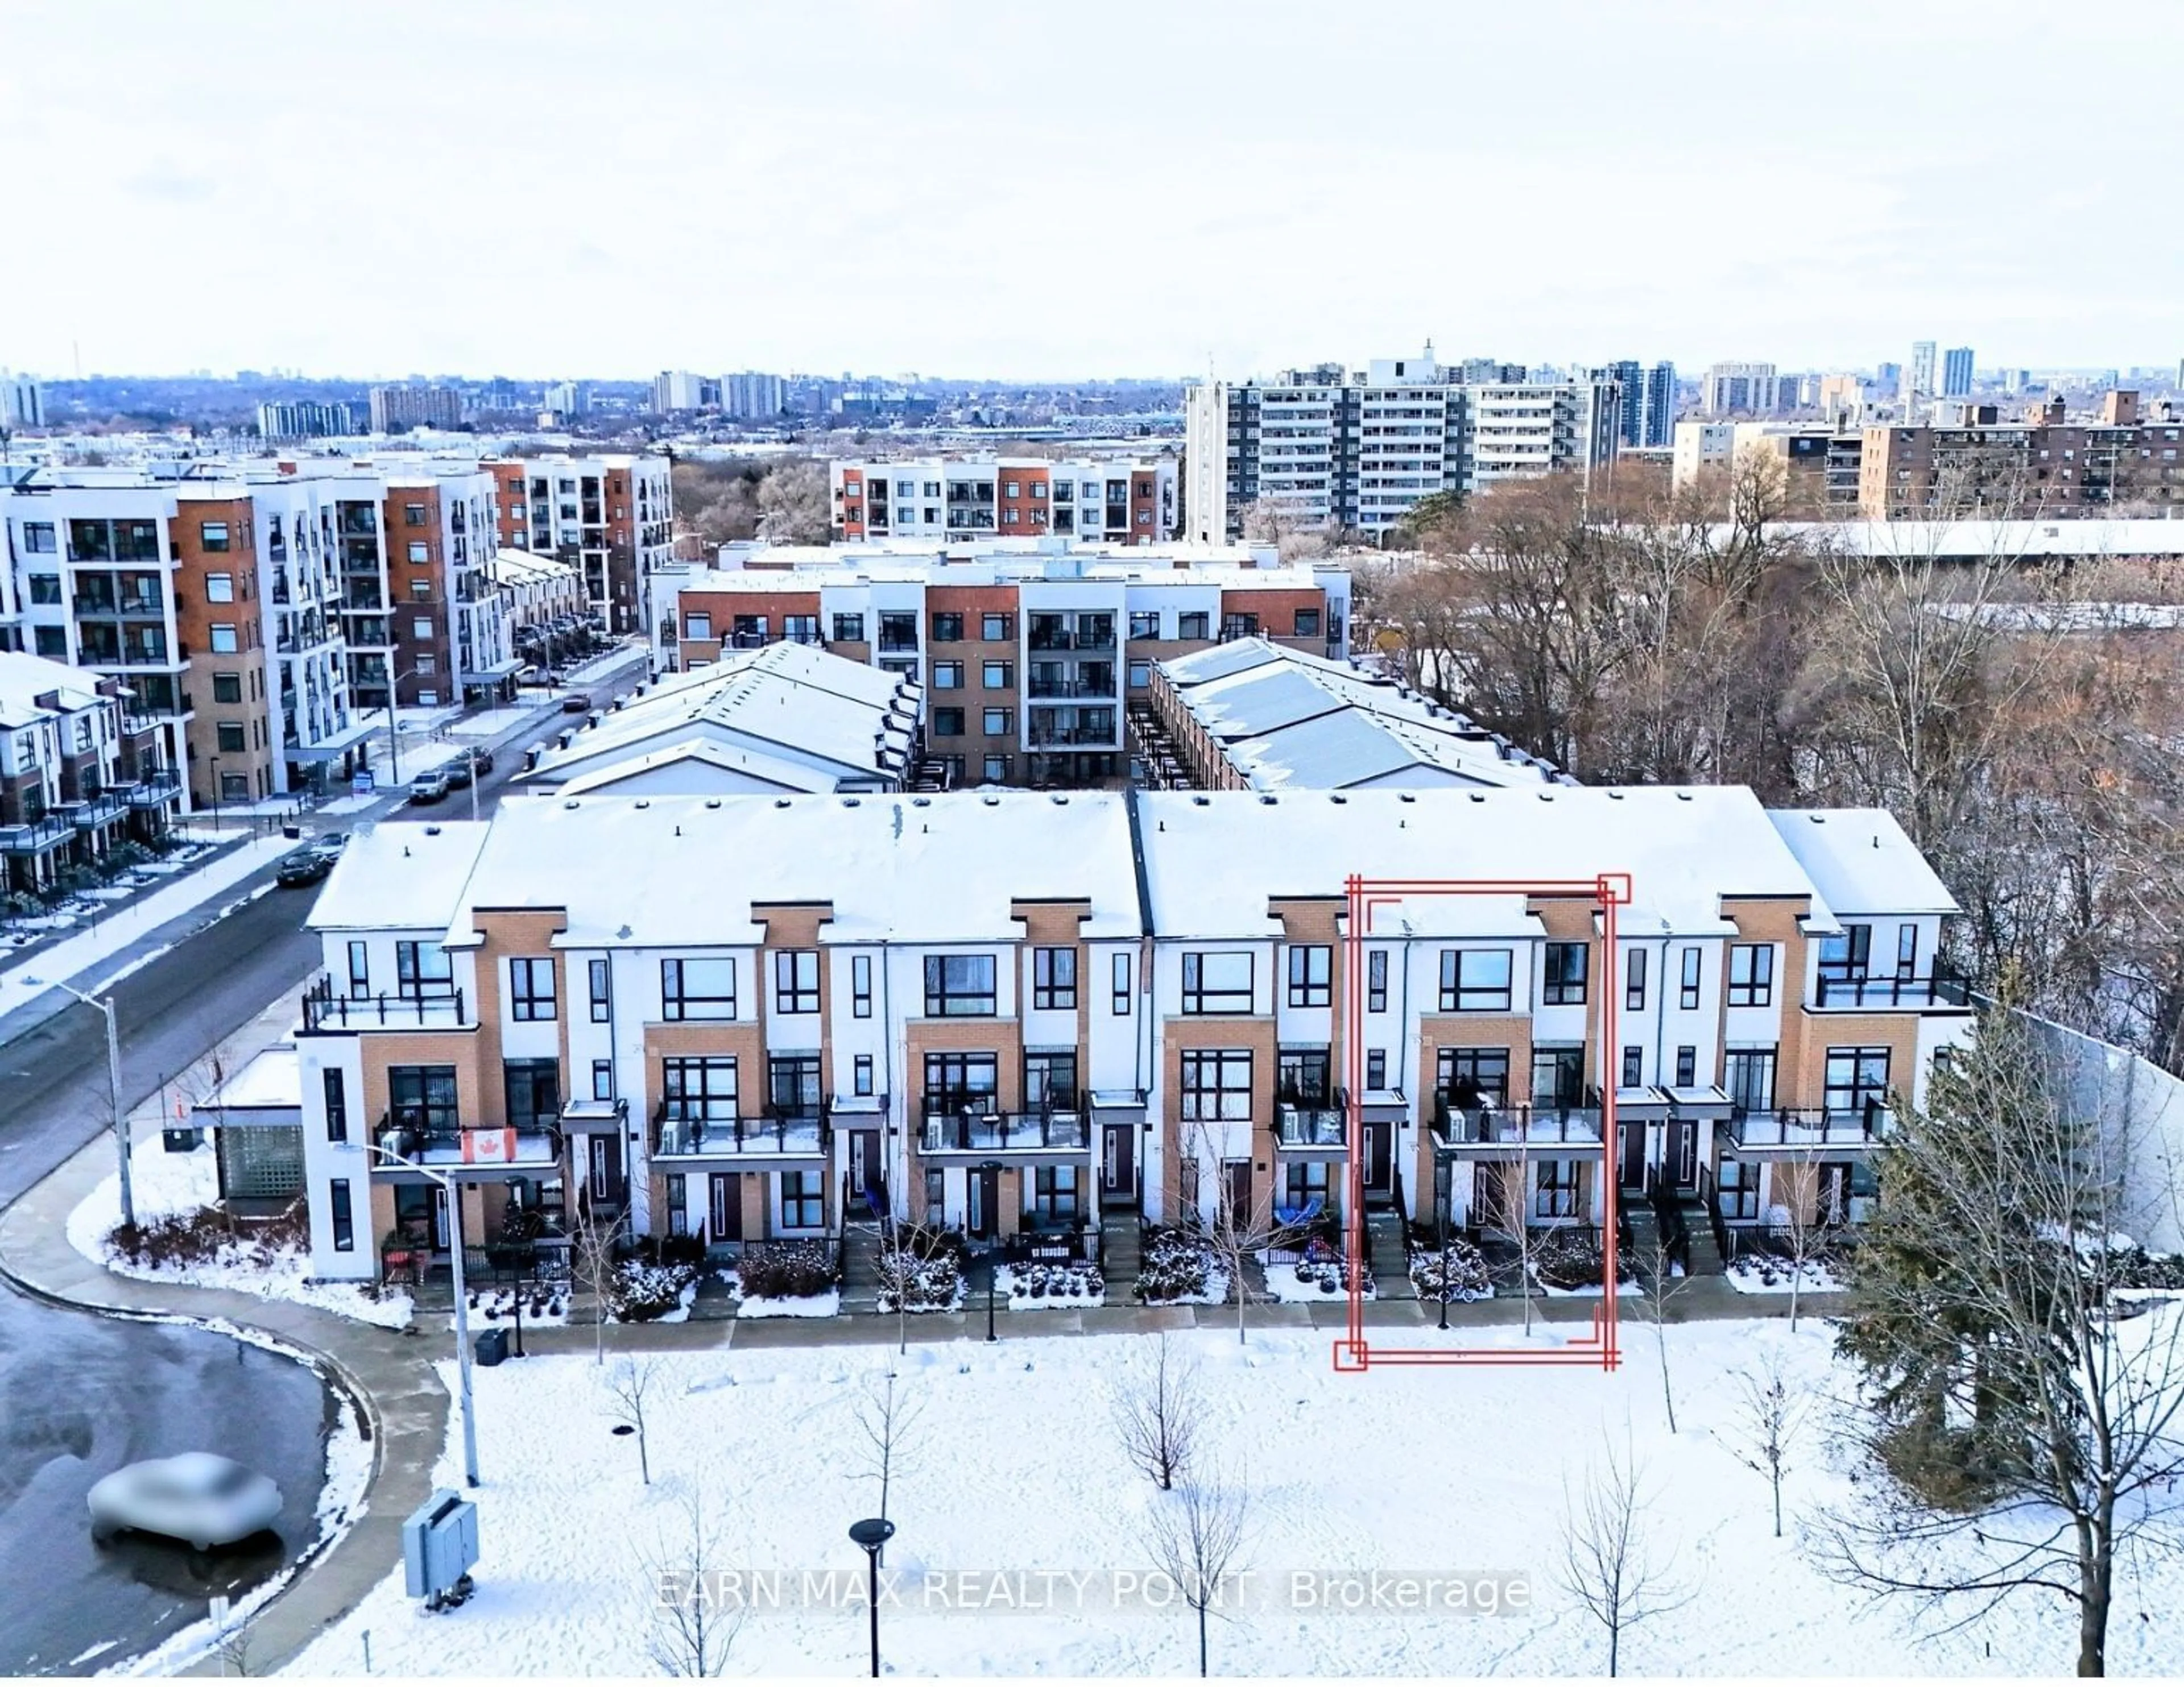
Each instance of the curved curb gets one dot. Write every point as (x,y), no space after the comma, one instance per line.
(330,1370)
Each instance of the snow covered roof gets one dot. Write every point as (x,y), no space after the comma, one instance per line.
(790,704)
(1213,860)
(1289,721)
(271,1080)
(25,678)
(676,872)
(1862,861)
(812,569)
(2090,537)
(510,566)
(400,878)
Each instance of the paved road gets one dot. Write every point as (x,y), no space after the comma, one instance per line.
(80,1395)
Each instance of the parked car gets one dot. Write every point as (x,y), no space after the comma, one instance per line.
(459,773)
(329,844)
(305,865)
(482,761)
(201,1498)
(576,703)
(429,787)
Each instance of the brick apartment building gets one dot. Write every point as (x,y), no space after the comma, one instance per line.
(612,518)
(2045,466)
(1125,501)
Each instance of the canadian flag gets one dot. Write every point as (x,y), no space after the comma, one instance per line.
(489,1148)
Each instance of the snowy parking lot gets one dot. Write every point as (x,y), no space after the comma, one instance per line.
(1023,1546)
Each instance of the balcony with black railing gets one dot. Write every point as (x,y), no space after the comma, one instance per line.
(1487,1128)
(958,1123)
(1796,1130)
(325,1011)
(432,1137)
(1838,990)
(1311,1123)
(687,1130)
(33,837)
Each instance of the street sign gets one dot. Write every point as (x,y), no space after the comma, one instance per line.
(361,783)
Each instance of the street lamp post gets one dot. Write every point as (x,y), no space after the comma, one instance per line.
(113,1081)
(993,1253)
(213,763)
(453,1192)
(873,1533)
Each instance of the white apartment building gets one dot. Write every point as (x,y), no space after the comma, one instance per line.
(612,517)
(1751,389)
(1358,448)
(1018,1011)
(1120,501)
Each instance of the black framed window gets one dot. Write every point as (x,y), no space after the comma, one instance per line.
(961,986)
(947,628)
(360,968)
(1216,981)
(792,1085)
(994,627)
(1055,1193)
(337,1093)
(1303,1078)
(602,991)
(1473,1078)
(1558,1075)
(1749,1078)
(796,981)
(1054,978)
(1312,975)
(422,1098)
(530,989)
(1376,1068)
(1562,980)
(1376,981)
(344,1214)
(1119,999)
(1191,624)
(947,723)
(422,970)
(803,1199)
(699,1088)
(1738,1189)
(602,1080)
(861,1075)
(1554,1196)
(1633,1068)
(1857,1079)
(1216,1084)
(959,1080)
(848,629)
(1688,988)
(1475,980)
(1907,950)
(1633,980)
(1847,954)
(861,985)
(1687,1065)
(1050,1078)
(1308,624)
(1751,974)
(532,1089)
(698,989)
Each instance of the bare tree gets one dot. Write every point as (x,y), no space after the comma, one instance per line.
(628,1386)
(688,1634)
(1196,1534)
(1509,1210)
(1237,1235)
(796,503)
(592,1265)
(1158,1406)
(889,1422)
(1767,1420)
(1663,1283)
(2024,1405)
(1608,1564)
(1802,1231)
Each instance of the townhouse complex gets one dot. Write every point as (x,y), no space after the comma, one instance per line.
(1357,448)
(612,517)
(258,611)
(79,771)
(1030,654)
(1061,1011)
(1123,501)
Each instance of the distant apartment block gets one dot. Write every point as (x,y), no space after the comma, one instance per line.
(675,390)
(1648,412)
(1357,449)
(79,771)
(1123,501)
(753,397)
(1973,463)
(1956,372)
(1030,655)
(612,518)
(1821,463)
(306,419)
(22,402)
(1749,389)
(568,399)
(397,407)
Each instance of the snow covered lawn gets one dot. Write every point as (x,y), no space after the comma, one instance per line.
(1059,1287)
(1011,1469)
(162,1183)
(1764,1274)
(1310,1282)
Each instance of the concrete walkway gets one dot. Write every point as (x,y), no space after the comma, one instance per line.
(391,1379)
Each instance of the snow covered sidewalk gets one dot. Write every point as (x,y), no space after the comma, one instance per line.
(73,958)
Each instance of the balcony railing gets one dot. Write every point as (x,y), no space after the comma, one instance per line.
(33,837)
(323,1010)
(1040,737)
(1310,1125)
(748,641)
(955,1124)
(679,1131)
(155,789)
(1796,1129)
(88,814)
(1517,1126)
(1072,688)
(415,1134)
(1945,988)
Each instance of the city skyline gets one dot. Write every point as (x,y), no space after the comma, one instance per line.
(962,212)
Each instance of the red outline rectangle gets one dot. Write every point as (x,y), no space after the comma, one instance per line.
(1606,893)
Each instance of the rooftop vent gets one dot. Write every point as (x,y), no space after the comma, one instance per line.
(1336,797)
(921,802)
(1405,797)
(1202,802)
(992,802)
(1060,801)
(1683,796)
(434,832)
(712,802)
(781,802)
(642,803)
(1266,798)
(571,803)
(1817,819)
(1615,796)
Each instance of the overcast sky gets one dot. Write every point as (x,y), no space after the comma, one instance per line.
(1124,187)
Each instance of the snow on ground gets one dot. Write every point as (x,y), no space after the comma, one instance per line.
(795,1306)
(1011,1282)
(1011,1469)
(116,931)
(1760,1274)
(1319,1283)
(163,1183)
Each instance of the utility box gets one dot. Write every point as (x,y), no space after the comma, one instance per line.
(439,1546)
(492,1347)
(181,1138)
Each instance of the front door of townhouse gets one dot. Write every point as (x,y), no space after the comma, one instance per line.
(985,1191)
(724,1213)
(1379,1161)
(1236,1191)
(867,1171)
(1118,1166)
(1683,1166)
(1633,1136)
(603,1178)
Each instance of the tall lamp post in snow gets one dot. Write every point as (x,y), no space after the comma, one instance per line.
(114,1080)
(873,1533)
(452,1190)
(993,1253)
